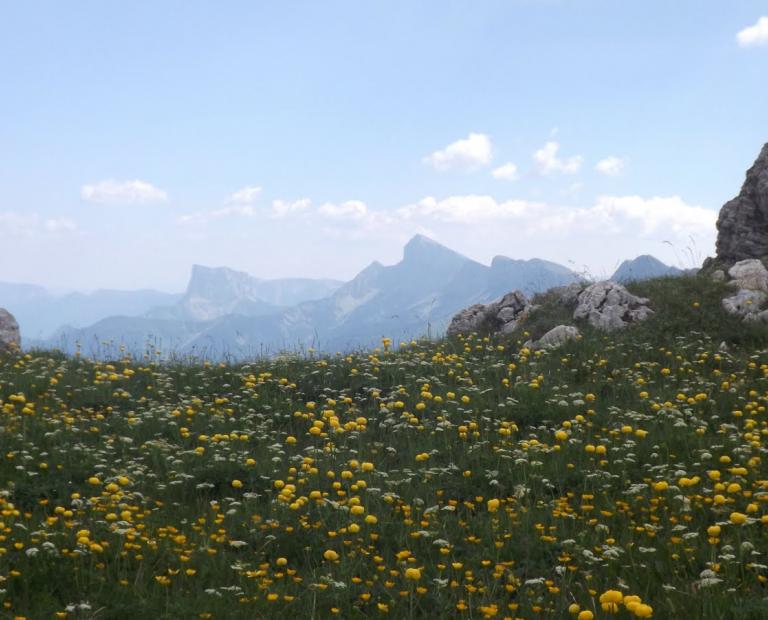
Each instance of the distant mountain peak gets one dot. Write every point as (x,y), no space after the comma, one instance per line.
(643,267)
(219,282)
(421,247)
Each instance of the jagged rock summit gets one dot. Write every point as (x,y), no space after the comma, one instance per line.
(743,222)
(9,332)
(609,306)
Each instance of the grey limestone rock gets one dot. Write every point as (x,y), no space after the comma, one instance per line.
(610,306)
(555,337)
(749,274)
(744,303)
(743,222)
(9,331)
(499,316)
(718,275)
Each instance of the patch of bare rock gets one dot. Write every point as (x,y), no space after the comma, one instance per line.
(607,306)
(10,338)
(610,306)
(498,317)
(743,222)
(750,279)
(555,337)
(742,246)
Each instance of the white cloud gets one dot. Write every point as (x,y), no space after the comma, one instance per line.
(507,172)
(659,218)
(610,166)
(245,196)
(55,225)
(474,151)
(351,209)
(283,208)
(467,209)
(204,217)
(236,211)
(13,223)
(656,215)
(111,192)
(548,162)
(754,35)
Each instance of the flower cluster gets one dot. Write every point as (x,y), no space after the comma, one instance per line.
(468,478)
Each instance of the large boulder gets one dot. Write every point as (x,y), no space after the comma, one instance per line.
(555,337)
(749,274)
(743,222)
(500,316)
(10,338)
(745,303)
(610,306)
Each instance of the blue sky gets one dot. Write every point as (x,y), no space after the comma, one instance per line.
(310,138)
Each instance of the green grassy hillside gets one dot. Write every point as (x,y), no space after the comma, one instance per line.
(621,476)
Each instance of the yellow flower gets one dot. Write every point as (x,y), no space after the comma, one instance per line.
(413,574)
(493,505)
(713,531)
(585,615)
(236,484)
(331,555)
(611,596)
(738,518)
(643,611)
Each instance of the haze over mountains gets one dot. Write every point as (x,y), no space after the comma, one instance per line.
(40,312)
(225,312)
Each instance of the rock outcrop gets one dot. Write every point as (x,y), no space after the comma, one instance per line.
(750,277)
(500,316)
(10,338)
(749,274)
(744,303)
(568,296)
(743,222)
(610,306)
(555,337)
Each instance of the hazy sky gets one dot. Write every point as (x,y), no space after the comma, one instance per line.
(310,138)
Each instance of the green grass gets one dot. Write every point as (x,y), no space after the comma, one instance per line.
(574,444)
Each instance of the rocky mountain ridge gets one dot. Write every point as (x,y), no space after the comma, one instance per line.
(414,297)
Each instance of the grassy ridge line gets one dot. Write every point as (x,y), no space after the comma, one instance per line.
(466,478)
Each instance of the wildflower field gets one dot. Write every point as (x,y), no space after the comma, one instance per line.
(614,477)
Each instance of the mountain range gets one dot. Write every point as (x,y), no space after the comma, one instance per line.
(227,313)
(643,268)
(41,313)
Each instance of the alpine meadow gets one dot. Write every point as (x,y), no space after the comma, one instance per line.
(342,310)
